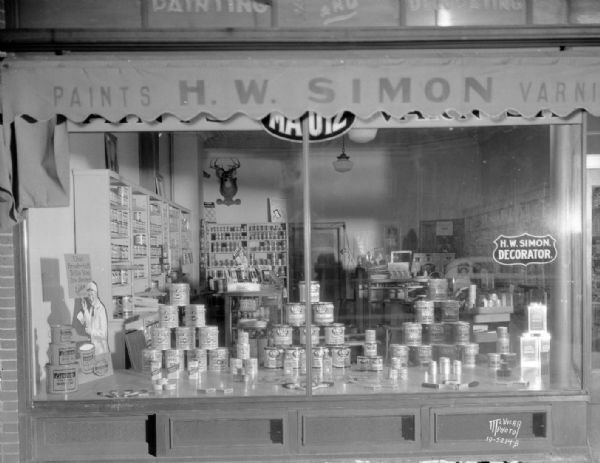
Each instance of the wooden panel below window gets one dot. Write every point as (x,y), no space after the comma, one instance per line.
(89,438)
(506,429)
(344,431)
(249,433)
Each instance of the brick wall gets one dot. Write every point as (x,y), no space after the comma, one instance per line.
(9,432)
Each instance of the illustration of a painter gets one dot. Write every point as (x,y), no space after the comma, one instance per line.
(93,317)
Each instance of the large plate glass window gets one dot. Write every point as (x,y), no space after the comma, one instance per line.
(167,273)
(441,258)
(449,258)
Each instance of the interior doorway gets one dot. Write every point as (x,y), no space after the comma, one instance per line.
(327,269)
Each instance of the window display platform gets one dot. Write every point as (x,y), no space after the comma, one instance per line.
(275,382)
(270,418)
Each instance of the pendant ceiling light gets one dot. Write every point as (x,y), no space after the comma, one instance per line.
(362,135)
(342,162)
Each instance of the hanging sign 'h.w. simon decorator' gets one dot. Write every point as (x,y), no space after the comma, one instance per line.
(525,249)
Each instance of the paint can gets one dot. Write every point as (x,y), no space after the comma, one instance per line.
(160,337)
(469,353)
(199,356)
(149,357)
(370,335)
(376,363)
(195,315)
(218,359)
(335,334)
(412,333)
(295,313)
(462,332)
(243,337)
(174,362)
(292,357)
(370,349)
(314,335)
(450,310)
(185,337)
(60,334)
(243,350)
(424,311)
(61,379)
(445,366)
(179,294)
(318,356)
(322,313)
(315,291)
(340,356)
(63,354)
(87,356)
(273,357)
(400,353)
(362,363)
(420,355)
(434,333)
(208,337)
(168,316)
(494,360)
(281,335)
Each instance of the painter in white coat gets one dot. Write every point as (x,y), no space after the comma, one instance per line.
(94,319)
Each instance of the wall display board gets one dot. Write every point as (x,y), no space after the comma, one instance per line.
(262,246)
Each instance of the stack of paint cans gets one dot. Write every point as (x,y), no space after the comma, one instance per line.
(243,366)
(339,352)
(370,361)
(314,290)
(503,361)
(412,335)
(294,360)
(62,371)
(180,342)
(398,361)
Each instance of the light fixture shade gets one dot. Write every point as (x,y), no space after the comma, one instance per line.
(362,135)
(342,163)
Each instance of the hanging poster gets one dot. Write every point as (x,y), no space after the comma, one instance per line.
(277,210)
(79,273)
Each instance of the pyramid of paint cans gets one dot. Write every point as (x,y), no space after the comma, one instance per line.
(180,341)
(62,370)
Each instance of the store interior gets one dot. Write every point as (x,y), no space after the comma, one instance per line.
(419,207)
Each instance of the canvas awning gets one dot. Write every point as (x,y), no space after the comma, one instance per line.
(258,83)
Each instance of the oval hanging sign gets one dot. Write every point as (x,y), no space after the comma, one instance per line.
(319,128)
(525,249)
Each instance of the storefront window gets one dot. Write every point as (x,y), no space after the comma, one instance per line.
(441,259)
(449,259)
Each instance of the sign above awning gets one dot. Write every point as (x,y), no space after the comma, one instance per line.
(292,83)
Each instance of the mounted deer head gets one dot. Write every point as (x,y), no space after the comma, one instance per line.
(227,175)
